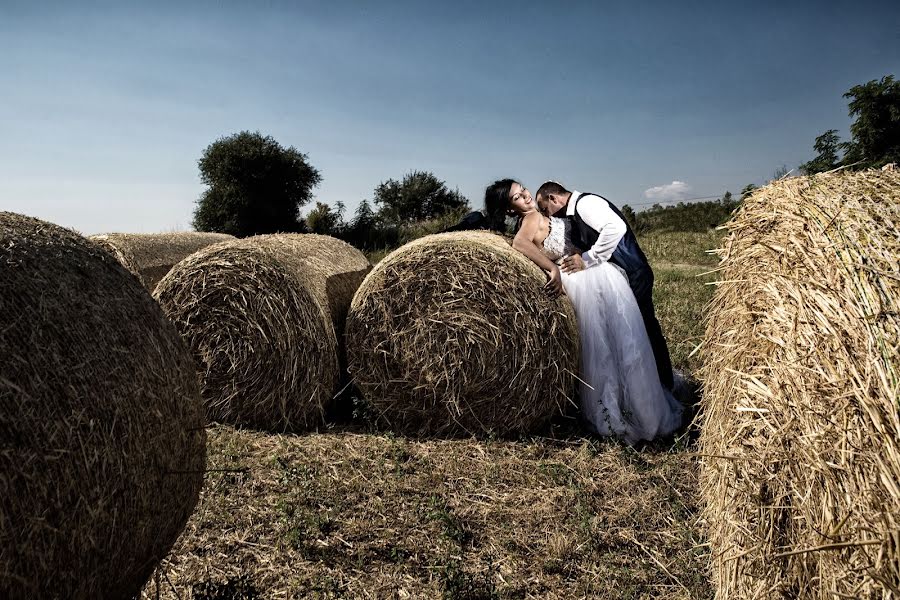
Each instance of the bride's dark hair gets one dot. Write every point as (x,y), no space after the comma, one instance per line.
(496,204)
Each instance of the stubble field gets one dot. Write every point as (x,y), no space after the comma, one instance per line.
(353,512)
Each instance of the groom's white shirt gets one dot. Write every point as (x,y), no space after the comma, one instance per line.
(597,213)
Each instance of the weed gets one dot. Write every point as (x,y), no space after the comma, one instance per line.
(461,585)
(453,529)
(234,588)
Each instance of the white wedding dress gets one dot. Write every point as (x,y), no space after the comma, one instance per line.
(621,395)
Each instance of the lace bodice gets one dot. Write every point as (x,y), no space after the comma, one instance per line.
(559,241)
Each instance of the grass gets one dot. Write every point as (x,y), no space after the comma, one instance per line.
(347,513)
(682,265)
(330,515)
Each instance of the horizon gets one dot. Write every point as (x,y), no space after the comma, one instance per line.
(110,107)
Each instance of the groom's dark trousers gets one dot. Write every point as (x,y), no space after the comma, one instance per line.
(630,257)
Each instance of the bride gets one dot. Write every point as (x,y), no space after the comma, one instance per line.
(621,394)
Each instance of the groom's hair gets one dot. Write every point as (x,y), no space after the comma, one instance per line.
(550,187)
(496,203)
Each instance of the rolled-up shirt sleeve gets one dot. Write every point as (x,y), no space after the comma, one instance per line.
(596,212)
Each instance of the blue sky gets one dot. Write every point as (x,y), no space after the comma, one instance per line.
(106,108)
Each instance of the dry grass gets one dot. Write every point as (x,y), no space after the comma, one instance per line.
(102,445)
(151,255)
(264,318)
(801,434)
(346,515)
(453,333)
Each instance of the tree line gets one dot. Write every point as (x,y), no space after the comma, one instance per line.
(257,186)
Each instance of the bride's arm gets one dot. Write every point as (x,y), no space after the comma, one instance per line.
(524,243)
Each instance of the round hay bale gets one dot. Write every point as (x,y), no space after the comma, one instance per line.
(452,333)
(102,440)
(264,317)
(801,436)
(151,255)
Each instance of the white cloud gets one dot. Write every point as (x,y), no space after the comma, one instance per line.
(671,192)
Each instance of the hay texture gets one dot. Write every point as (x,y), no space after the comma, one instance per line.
(102,440)
(264,317)
(801,438)
(151,255)
(452,333)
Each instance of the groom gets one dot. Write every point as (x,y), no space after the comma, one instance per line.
(599,226)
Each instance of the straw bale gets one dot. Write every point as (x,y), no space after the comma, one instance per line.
(102,440)
(801,436)
(452,333)
(264,317)
(151,255)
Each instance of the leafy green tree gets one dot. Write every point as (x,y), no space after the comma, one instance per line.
(364,215)
(419,196)
(827,146)
(324,220)
(875,134)
(255,186)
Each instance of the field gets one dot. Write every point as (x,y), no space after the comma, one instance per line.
(351,512)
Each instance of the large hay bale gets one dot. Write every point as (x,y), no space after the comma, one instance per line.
(801,437)
(102,440)
(452,333)
(264,317)
(151,255)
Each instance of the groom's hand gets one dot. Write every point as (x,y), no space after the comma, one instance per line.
(573,264)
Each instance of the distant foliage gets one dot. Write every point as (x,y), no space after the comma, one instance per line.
(694,216)
(419,196)
(828,148)
(875,132)
(748,189)
(324,220)
(255,186)
(419,205)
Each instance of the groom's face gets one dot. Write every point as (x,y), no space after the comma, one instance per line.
(550,204)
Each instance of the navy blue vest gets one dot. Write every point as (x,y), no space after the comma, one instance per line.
(627,254)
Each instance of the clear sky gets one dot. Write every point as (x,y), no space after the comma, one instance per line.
(106,108)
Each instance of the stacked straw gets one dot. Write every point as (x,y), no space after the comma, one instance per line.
(151,255)
(801,436)
(452,333)
(102,440)
(264,317)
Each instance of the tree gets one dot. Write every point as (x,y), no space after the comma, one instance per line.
(780,172)
(875,134)
(324,220)
(419,196)
(364,215)
(629,215)
(748,189)
(255,186)
(827,159)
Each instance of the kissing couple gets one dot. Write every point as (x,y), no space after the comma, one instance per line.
(586,248)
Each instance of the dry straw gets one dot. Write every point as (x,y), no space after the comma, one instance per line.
(102,440)
(264,318)
(452,333)
(151,255)
(801,437)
